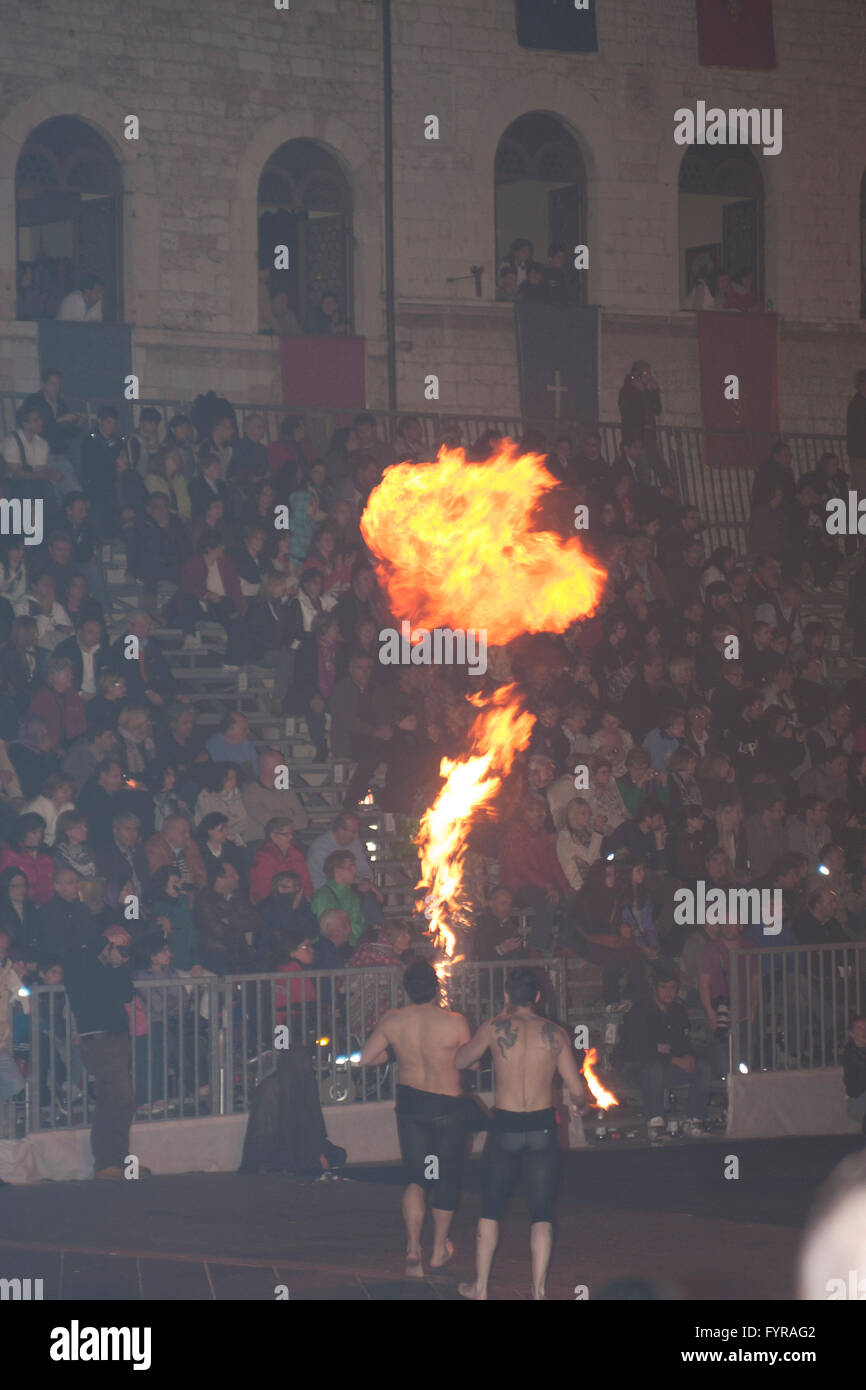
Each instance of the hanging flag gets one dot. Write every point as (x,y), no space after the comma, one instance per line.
(557,354)
(739,356)
(736,34)
(323,372)
(565,25)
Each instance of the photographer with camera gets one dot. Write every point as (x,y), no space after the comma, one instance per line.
(714,988)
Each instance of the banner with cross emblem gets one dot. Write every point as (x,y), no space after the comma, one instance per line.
(557,355)
(736,34)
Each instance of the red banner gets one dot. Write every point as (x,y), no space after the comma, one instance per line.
(739,355)
(323,372)
(736,33)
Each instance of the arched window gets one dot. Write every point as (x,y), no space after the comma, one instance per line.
(721,216)
(540,195)
(305,205)
(68,213)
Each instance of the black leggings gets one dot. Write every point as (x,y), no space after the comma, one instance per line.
(430,1126)
(528,1141)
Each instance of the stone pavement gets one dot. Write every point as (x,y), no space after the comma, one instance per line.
(664,1213)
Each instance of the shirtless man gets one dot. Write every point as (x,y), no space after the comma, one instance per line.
(527,1053)
(430,1115)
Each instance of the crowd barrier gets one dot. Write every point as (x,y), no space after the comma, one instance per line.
(201,1044)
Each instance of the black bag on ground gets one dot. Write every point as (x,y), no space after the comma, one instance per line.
(286,1130)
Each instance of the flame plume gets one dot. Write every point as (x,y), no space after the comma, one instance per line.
(454,547)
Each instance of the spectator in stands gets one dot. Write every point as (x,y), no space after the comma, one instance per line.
(171,913)
(216,847)
(209,588)
(808,832)
(101,799)
(333,947)
(31,756)
(160,548)
(53,623)
(277,855)
(359,726)
(59,705)
(266,797)
(222,793)
(124,860)
(55,798)
(225,923)
(17,911)
(656,1041)
(24,850)
(530,869)
(174,845)
(71,848)
(99,453)
(166,477)
(59,424)
(143,444)
(220,439)
(87,655)
(338,890)
(83,305)
(63,924)
(232,744)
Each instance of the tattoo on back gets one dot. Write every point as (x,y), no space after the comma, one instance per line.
(551,1036)
(507,1034)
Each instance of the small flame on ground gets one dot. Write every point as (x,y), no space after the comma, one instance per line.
(603,1098)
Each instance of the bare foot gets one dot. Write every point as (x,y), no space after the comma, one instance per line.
(414,1268)
(471,1291)
(448,1257)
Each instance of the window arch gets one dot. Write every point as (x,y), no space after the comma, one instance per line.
(541,193)
(721,218)
(305,204)
(68,205)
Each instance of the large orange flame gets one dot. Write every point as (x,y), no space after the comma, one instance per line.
(455,547)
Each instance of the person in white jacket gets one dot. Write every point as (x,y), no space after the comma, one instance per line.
(578,846)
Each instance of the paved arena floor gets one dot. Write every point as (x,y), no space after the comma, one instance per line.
(668,1213)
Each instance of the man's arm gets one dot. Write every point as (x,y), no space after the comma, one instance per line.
(375,1049)
(475,1049)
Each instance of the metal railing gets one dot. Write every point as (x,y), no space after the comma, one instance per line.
(201,1045)
(793,1006)
(722,494)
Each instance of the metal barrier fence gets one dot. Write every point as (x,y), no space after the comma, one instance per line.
(721,493)
(201,1045)
(791,1006)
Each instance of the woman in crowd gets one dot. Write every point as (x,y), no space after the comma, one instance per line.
(71,849)
(166,477)
(25,851)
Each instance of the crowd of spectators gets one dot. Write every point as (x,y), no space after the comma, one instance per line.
(690,730)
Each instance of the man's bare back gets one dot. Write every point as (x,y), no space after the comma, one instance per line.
(425,1039)
(527,1053)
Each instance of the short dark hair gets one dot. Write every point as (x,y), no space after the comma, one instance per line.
(335,859)
(89,282)
(522,986)
(421,982)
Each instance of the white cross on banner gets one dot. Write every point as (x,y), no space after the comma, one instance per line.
(557,355)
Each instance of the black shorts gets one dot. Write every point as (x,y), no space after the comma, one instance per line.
(520,1142)
(432,1127)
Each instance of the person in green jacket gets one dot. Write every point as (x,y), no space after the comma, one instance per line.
(640,781)
(340,872)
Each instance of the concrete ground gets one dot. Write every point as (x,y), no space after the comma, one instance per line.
(669,1213)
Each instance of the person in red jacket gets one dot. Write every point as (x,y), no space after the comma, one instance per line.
(277,856)
(529,867)
(25,852)
(210,587)
(60,705)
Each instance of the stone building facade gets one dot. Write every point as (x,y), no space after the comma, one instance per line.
(219,87)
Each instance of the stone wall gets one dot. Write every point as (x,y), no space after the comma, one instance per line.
(218,87)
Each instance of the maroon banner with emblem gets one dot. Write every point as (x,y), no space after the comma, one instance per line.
(736,33)
(323,372)
(745,346)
